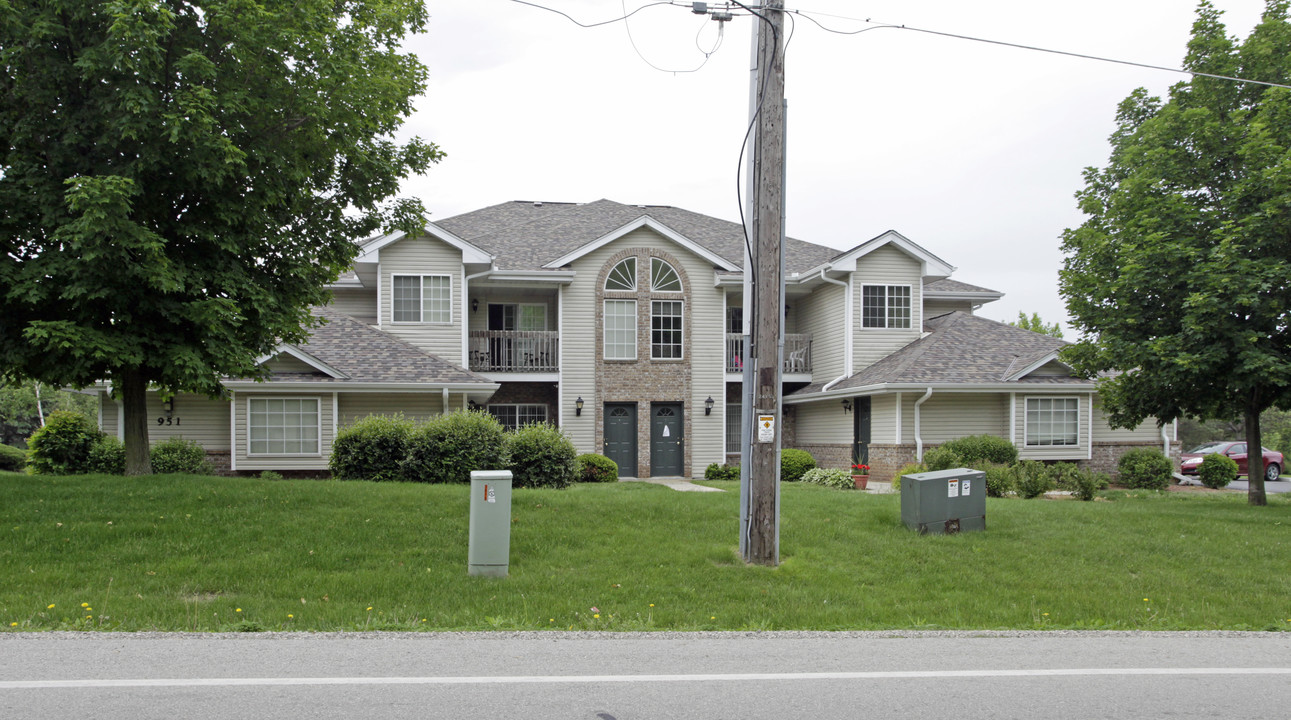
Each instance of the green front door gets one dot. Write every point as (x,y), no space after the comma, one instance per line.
(621,436)
(667,456)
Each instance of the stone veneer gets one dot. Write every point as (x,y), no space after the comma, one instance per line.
(644,381)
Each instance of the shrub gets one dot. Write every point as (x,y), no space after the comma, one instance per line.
(107,456)
(270,475)
(1144,468)
(1031,479)
(999,479)
(1086,483)
(722,472)
(373,448)
(793,463)
(447,448)
(1216,470)
(907,469)
(12,458)
(942,458)
(177,455)
(829,478)
(984,448)
(541,456)
(596,468)
(62,447)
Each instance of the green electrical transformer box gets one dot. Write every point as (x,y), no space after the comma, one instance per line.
(945,501)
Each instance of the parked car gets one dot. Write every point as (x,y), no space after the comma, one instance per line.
(1235,450)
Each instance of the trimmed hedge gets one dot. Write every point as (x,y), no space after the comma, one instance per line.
(1000,480)
(12,459)
(541,456)
(907,469)
(1217,471)
(177,455)
(1144,468)
(942,458)
(596,468)
(62,446)
(984,448)
(448,447)
(373,448)
(108,456)
(717,471)
(794,463)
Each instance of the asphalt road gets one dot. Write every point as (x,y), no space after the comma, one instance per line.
(665,675)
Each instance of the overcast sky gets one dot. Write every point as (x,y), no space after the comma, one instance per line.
(970,149)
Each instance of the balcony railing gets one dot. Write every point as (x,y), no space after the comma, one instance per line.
(517,351)
(797,353)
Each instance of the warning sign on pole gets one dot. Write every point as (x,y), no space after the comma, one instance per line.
(766,428)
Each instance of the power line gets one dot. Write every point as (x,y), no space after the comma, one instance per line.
(890,26)
(570,18)
(721,33)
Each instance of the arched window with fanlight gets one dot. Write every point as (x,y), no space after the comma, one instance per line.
(663,277)
(623,276)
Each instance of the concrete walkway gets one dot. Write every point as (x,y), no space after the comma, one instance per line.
(679,484)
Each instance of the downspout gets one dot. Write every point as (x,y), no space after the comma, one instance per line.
(847,331)
(1165,442)
(466,323)
(918,434)
(445,403)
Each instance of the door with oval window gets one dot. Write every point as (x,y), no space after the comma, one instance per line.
(621,437)
(667,451)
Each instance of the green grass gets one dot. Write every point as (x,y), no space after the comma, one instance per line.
(200,553)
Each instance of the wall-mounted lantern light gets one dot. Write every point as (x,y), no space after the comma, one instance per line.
(578,406)
(847,405)
(168,406)
(475,304)
(472,405)
(708,405)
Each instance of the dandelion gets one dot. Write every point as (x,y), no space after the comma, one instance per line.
(89,609)
(651,604)
(50,606)
(554,620)
(369,608)
(712,617)
(85,604)
(290,616)
(1045,614)
(13,624)
(1145,600)
(238,610)
(423,619)
(597,616)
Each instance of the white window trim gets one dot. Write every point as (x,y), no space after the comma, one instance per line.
(421,305)
(546,414)
(886,299)
(1026,423)
(319,436)
(605,330)
(681,289)
(635,269)
(681,344)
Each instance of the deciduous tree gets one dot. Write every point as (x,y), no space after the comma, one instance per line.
(180,179)
(1037,325)
(1180,279)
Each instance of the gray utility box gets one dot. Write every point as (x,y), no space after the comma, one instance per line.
(489,549)
(946,501)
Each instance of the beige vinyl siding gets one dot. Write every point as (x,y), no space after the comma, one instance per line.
(284,363)
(1051,369)
(359,303)
(424,256)
(946,416)
(415,406)
(885,266)
(823,423)
(1063,452)
(1145,432)
(933,308)
(821,315)
(282,462)
(883,413)
(195,417)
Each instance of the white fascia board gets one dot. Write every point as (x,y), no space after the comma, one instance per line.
(304,357)
(560,277)
(884,388)
(647,222)
(371,252)
(344,387)
(350,282)
(962,295)
(933,266)
(1045,360)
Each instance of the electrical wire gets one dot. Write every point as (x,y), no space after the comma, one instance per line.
(644,59)
(595,24)
(882,25)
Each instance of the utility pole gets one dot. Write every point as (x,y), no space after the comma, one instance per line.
(764,299)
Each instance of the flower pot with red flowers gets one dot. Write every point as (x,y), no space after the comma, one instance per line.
(860,476)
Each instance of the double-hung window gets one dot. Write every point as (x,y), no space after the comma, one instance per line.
(885,306)
(1053,422)
(282,426)
(665,329)
(517,416)
(620,329)
(422,298)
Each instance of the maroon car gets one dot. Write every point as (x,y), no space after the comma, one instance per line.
(1234,450)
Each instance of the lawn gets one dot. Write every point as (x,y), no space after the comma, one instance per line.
(205,554)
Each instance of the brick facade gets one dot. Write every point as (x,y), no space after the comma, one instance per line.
(528,393)
(885,460)
(644,381)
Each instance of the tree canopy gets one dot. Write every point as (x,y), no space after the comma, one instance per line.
(1035,324)
(180,179)
(1179,281)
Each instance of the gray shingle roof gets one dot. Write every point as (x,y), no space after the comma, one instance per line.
(368,355)
(946,285)
(961,349)
(528,235)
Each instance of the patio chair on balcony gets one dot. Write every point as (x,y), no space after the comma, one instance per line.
(797,361)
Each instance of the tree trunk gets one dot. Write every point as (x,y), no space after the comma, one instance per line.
(132,392)
(1254,453)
